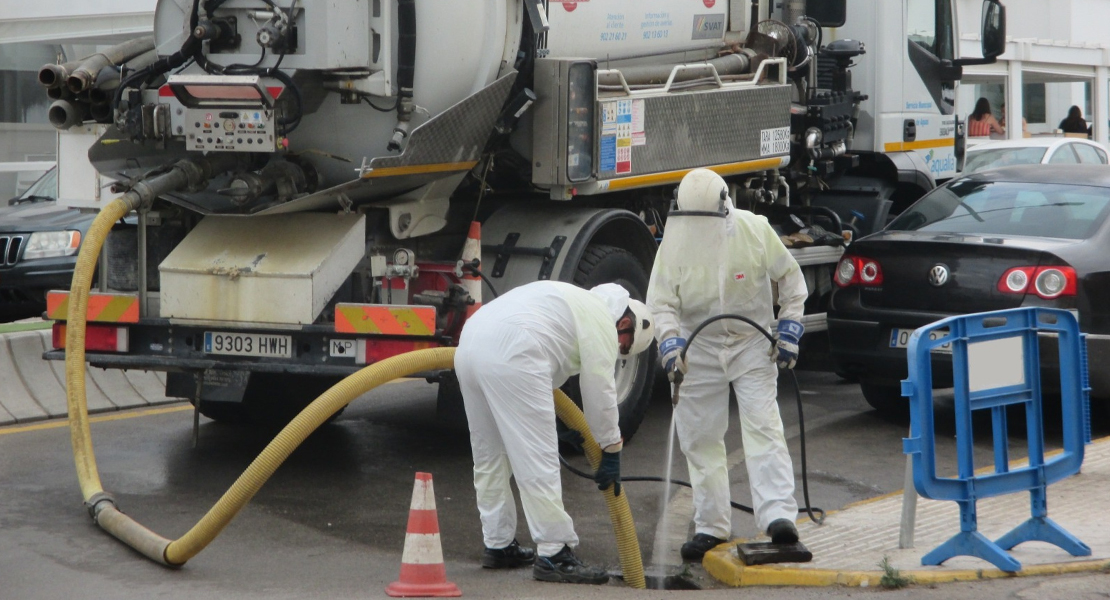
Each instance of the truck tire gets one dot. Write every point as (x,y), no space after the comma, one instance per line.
(887,400)
(608,264)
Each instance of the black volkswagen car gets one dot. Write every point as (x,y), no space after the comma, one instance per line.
(38,247)
(1035,235)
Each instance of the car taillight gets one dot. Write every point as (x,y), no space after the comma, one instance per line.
(1045,282)
(856,270)
(103,338)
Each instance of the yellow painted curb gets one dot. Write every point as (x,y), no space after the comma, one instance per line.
(723,565)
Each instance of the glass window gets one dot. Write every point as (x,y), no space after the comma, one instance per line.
(1089,155)
(1009,208)
(45,188)
(1033,102)
(1064,155)
(1002,157)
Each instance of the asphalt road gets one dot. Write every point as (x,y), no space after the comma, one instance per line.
(331,523)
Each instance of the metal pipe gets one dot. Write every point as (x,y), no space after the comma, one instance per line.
(84,76)
(54,76)
(406,72)
(730,64)
(64,114)
(144,299)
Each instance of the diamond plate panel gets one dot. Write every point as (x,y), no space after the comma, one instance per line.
(458,134)
(689,130)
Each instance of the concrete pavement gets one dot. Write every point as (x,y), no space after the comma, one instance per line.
(850,545)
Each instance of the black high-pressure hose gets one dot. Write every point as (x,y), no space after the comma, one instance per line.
(809,508)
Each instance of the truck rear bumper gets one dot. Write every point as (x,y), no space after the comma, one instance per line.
(162,345)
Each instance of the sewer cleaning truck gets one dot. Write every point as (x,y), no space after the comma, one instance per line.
(324,185)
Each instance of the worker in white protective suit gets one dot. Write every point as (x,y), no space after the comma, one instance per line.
(512,354)
(715,259)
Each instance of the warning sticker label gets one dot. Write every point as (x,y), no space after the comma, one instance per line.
(774,141)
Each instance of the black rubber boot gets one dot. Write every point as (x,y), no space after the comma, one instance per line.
(565,567)
(782,531)
(696,548)
(509,557)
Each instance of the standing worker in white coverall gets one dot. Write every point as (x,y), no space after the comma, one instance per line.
(715,259)
(513,352)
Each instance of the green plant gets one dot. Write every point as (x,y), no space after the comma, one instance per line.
(892,579)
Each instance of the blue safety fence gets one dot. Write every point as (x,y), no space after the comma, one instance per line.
(996,364)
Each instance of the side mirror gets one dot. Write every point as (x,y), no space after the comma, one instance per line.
(993,35)
(994,29)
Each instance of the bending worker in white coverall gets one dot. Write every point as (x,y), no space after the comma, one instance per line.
(512,353)
(715,259)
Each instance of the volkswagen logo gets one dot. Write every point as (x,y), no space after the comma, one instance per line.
(938,275)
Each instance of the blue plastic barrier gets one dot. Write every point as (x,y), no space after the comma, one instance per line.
(1018,326)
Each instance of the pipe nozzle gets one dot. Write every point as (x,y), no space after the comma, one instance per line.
(54,76)
(64,114)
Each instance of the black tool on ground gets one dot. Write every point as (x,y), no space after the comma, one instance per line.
(763,553)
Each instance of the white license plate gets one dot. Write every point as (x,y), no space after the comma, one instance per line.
(900,338)
(248,344)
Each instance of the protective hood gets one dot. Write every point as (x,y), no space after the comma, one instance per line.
(714,259)
(698,223)
(615,297)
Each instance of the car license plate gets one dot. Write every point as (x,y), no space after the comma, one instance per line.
(900,338)
(248,344)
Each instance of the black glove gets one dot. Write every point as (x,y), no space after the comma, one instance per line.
(609,472)
(572,438)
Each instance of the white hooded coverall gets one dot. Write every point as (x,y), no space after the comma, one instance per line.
(512,353)
(729,270)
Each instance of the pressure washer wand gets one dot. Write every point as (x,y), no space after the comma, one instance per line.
(676,379)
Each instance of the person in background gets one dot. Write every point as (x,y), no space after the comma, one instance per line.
(981,122)
(1075,123)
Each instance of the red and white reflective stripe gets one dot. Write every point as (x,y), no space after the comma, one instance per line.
(422,544)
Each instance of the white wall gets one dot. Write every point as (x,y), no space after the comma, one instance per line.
(1073,23)
(60,21)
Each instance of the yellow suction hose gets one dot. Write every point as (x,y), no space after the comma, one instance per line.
(175,553)
(628,546)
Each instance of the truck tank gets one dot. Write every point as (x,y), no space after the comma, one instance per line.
(372,100)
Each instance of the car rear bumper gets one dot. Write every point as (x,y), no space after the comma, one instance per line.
(862,348)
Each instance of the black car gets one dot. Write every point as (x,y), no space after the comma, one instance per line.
(39,242)
(1035,235)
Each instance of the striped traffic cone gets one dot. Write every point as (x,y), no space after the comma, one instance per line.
(423,573)
(472,249)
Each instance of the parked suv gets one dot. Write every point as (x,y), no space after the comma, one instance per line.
(38,247)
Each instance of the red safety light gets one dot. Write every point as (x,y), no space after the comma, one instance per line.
(1046,282)
(857,270)
(98,337)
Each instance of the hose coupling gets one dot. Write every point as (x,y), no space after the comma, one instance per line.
(98,502)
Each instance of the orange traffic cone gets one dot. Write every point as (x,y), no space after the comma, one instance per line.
(472,249)
(423,573)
